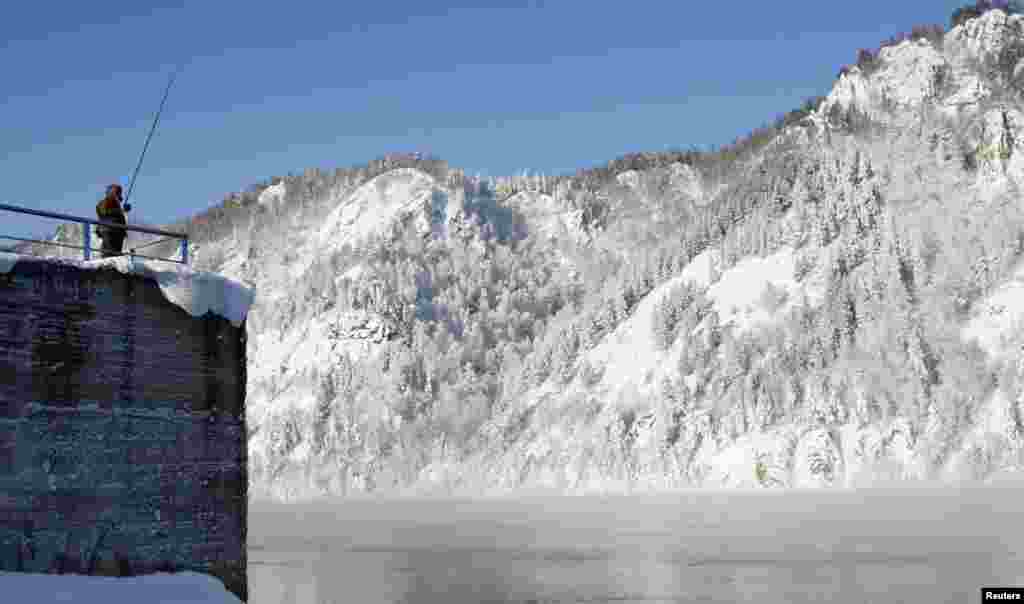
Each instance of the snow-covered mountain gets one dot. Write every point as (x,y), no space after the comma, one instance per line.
(831,302)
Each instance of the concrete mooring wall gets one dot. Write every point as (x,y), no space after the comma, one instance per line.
(122,428)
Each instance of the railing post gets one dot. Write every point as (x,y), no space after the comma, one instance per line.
(87,240)
(184,250)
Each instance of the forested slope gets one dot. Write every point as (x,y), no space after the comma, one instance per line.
(831,300)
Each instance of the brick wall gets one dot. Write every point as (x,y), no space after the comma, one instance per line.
(122,428)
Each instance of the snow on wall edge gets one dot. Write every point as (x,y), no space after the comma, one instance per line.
(196,292)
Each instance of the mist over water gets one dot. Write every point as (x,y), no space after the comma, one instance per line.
(894,545)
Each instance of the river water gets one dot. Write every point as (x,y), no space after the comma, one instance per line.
(911,545)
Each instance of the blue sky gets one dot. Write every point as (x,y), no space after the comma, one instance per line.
(268,89)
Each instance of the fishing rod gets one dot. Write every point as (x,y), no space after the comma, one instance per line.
(149,137)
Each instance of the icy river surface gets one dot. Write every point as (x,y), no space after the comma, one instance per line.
(908,545)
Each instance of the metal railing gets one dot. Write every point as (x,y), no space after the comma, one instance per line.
(87,224)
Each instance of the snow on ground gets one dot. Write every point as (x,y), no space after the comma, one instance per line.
(737,294)
(196,292)
(997,326)
(283,368)
(311,345)
(989,447)
(158,588)
(633,365)
(629,354)
(736,465)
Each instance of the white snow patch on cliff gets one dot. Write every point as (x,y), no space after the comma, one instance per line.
(374,206)
(738,293)
(315,343)
(982,38)
(993,443)
(195,292)
(909,73)
(736,465)
(971,89)
(546,215)
(354,274)
(273,194)
(995,135)
(816,461)
(998,325)
(905,79)
(684,179)
(629,178)
(702,271)
(297,352)
(629,355)
(995,439)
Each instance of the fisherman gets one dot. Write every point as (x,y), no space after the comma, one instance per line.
(109,210)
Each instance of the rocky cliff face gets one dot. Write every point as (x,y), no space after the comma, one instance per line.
(847,315)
